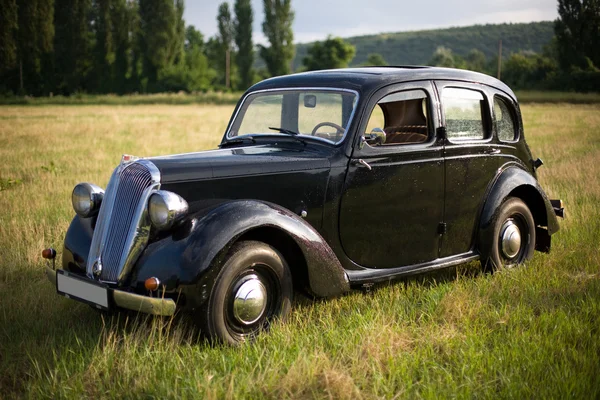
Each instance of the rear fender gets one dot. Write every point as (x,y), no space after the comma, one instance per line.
(516,182)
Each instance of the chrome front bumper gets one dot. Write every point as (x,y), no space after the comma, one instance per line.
(132,301)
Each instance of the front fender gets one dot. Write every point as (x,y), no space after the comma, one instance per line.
(184,257)
(77,244)
(514,181)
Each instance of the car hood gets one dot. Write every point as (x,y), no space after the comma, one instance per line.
(239,161)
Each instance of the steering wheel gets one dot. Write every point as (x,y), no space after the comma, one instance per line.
(338,128)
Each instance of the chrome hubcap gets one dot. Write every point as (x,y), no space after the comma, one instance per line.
(250,301)
(511,239)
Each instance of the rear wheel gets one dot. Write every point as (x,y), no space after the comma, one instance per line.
(512,238)
(253,288)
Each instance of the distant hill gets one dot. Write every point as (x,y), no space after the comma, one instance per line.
(417,47)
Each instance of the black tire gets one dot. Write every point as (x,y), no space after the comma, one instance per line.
(248,264)
(512,213)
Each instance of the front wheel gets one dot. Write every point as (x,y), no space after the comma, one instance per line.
(253,288)
(512,238)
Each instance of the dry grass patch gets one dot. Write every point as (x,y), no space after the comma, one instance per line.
(461,306)
(383,342)
(317,376)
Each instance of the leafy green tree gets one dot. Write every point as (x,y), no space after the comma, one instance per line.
(161,37)
(213,50)
(104,54)
(375,59)
(34,43)
(179,26)
(8,40)
(243,40)
(329,54)
(578,33)
(72,44)
(193,74)
(442,57)
(528,70)
(225,26)
(122,18)
(223,52)
(193,39)
(476,60)
(136,52)
(199,75)
(277,28)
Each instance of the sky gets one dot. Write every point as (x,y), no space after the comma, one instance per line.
(316,19)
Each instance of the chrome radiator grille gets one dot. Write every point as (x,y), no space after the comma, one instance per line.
(122,228)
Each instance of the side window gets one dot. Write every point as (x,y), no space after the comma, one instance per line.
(463,109)
(399,118)
(376,120)
(505,123)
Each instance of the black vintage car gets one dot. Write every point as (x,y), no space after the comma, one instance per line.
(324,181)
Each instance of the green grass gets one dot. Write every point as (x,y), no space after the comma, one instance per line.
(530,332)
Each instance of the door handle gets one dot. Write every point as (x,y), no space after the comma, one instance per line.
(363,163)
(491,150)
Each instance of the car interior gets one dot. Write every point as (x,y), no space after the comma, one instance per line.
(404,119)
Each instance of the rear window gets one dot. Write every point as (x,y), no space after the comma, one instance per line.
(504,120)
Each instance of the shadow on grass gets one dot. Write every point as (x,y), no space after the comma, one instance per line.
(437,277)
(61,333)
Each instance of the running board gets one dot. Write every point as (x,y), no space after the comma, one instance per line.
(380,275)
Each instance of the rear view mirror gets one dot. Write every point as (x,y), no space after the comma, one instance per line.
(310,101)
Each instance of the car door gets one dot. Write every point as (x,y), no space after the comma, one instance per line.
(393,198)
(471,160)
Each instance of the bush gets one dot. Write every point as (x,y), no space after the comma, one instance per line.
(577,81)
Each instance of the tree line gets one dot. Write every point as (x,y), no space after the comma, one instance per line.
(125,46)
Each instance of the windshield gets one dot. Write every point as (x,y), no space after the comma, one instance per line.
(319,113)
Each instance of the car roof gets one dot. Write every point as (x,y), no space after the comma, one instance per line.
(368,79)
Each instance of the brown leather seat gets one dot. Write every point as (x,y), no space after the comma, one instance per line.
(405,122)
(406,134)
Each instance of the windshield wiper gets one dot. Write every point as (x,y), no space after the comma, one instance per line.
(289,132)
(283,130)
(238,141)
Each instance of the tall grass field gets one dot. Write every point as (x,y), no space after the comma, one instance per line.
(529,332)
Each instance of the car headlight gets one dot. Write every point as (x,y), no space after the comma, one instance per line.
(86,199)
(165,208)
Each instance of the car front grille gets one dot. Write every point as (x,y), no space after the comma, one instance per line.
(122,228)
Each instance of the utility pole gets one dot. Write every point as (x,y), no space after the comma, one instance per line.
(499,58)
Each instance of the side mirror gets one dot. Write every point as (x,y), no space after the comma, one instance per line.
(377,137)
